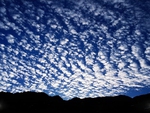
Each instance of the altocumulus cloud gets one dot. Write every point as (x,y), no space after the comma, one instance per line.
(88,49)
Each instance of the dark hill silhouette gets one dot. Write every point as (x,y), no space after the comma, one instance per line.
(30,102)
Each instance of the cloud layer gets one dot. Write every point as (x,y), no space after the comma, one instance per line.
(73,49)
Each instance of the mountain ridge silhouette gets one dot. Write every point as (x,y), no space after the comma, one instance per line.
(27,102)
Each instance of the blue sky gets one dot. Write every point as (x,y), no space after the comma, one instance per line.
(74,49)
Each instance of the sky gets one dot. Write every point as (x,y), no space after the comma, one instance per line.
(85,48)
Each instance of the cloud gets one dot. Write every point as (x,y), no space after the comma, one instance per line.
(72,48)
(10,39)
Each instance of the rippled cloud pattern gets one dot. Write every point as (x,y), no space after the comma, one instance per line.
(71,48)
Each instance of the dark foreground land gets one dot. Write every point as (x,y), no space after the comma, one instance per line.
(29,102)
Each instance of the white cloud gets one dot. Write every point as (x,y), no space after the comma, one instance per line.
(54,26)
(117,1)
(10,39)
(3,26)
(40,67)
(38,72)
(3,10)
(55,84)
(121,65)
(65,41)
(2,46)
(73,31)
(16,16)
(147,52)
(42,86)
(135,51)
(11,74)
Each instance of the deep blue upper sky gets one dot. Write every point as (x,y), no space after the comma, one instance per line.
(85,48)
